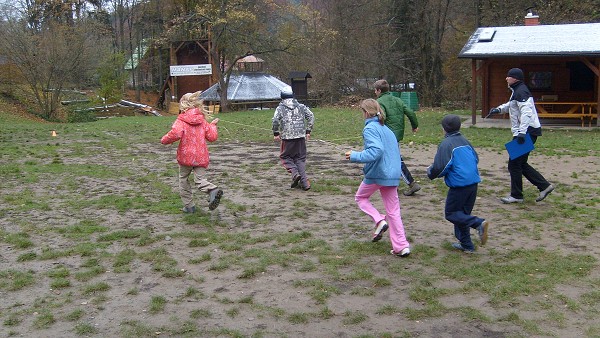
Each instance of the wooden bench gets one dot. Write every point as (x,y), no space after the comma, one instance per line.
(567,110)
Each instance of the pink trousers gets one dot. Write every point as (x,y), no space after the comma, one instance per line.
(389,195)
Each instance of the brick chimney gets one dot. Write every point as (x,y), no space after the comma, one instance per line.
(532,19)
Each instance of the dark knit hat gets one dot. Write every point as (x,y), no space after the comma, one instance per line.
(287,93)
(451,123)
(516,73)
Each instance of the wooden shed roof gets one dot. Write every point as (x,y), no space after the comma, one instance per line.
(534,41)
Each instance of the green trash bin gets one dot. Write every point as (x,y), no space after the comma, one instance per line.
(396,94)
(411,100)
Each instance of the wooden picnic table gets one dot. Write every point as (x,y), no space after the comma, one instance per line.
(578,110)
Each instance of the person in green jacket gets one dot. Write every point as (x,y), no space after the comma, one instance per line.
(395,110)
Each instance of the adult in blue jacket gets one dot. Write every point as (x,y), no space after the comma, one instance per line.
(382,171)
(456,161)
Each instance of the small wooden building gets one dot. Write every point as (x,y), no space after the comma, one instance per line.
(561,64)
(299,84)
(189,45)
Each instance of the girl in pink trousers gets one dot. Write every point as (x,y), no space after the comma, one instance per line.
(383,172)
(192,130)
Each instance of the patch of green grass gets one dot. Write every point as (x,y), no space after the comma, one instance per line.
(354,317)
(86,275)
(83,329)
(123,259)
(19,240)
(27,200)
(387,310)
(432,309)
(75,315)
(524,272)
(162,262)
(205,257)
(58,272)
(530,326)
(157,304)
(82,230)
(14,280)
(95,288)
(135,328)
(299,318)
(43,320)
(320,290)
(60,283)
(193,293)
(233,312)
(26,257)
(363,292)
(13,319)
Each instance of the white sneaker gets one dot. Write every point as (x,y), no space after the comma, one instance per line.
(545,193)
(382,227)
(403,253)
(510,199)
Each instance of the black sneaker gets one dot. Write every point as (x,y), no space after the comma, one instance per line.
(382,227)
(214,198)
(296,181)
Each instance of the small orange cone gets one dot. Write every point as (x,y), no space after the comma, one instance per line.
(54,133)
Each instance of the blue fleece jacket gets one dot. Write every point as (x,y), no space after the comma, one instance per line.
(381,155)
(456,161)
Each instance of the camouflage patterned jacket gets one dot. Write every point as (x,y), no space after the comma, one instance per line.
(292,120)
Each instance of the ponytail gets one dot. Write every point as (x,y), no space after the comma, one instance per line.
(381,117)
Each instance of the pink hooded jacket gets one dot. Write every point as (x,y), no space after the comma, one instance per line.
(193,130)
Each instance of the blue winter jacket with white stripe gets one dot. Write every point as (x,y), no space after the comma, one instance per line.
(456,161)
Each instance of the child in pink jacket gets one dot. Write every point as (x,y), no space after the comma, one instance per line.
(192,130)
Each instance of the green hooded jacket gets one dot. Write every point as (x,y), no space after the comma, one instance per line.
(395,109)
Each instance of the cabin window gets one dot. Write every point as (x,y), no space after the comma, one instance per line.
(540,80)
(581,77)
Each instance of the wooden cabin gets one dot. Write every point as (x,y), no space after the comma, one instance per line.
(561,64)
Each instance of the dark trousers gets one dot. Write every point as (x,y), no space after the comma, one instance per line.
(408,179)
(518,168)
(459,205)
(293,158)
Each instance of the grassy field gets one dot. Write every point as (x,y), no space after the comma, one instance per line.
(87,211)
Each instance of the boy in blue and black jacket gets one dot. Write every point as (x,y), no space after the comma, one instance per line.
(456,161)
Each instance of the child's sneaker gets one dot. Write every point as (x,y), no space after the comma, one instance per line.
(295,181)
(545,193)
(382,227)
(412,189)
(214,198)
(482,230)
(403,253)
(459,246)
(189,210)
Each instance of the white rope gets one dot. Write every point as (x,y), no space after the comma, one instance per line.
(330,142)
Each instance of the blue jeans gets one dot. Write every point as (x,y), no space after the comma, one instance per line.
(459,204)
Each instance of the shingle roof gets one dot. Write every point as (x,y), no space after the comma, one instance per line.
(248,87)
(539,40)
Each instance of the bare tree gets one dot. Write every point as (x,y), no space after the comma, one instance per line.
(50,56)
